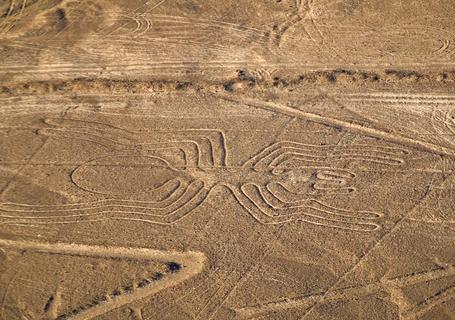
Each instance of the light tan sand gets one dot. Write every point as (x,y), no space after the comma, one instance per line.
(186,159)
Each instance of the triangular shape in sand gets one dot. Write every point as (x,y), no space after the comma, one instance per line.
(73,281)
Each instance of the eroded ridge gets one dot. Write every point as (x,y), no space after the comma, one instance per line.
(181,267)
(280,184)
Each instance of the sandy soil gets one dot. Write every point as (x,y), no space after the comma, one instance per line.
(189,159)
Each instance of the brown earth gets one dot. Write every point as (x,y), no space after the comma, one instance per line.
(188,159)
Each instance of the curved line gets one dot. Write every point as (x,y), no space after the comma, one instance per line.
(81,203)
(376,214)
(113,142)
(201,191)
(245,192)
(278,146)
(335,175)
(60,209)
(156,190)
(259,156)
(312,158)
(300,214)
(196,193)
(238,195)
(262,192)
(304,204)
(345,190)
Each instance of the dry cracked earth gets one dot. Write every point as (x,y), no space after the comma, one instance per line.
(247,159)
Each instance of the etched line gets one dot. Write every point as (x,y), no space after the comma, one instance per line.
(280,184)
(356,292)
(353,127)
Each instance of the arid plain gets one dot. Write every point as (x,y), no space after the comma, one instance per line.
(203,159)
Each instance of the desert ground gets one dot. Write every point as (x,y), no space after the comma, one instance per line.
(248,159)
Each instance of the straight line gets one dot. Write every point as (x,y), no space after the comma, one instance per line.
(368,252)
(332,122)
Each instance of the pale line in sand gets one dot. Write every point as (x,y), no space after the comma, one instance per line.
(353,127)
